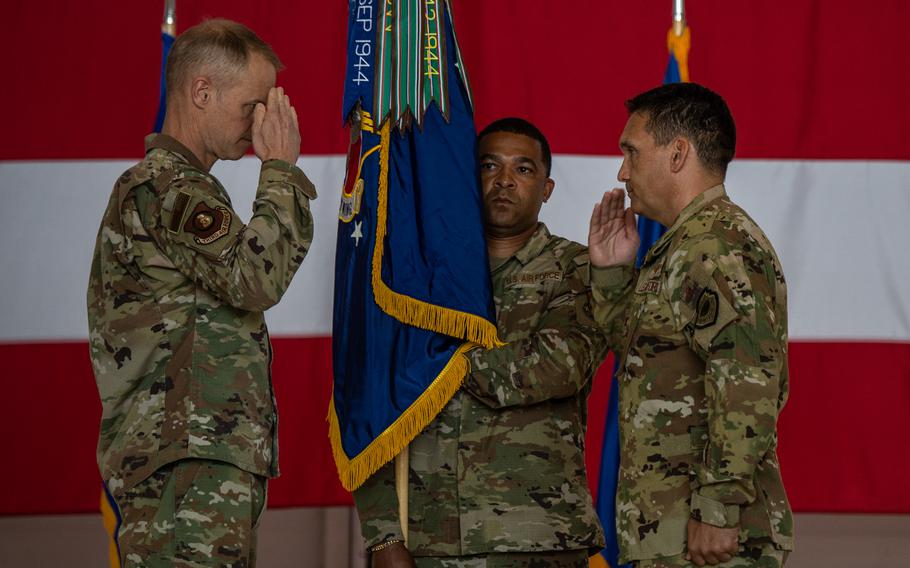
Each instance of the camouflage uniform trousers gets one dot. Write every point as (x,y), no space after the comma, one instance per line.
(568,559)
(192,513)
(753,554)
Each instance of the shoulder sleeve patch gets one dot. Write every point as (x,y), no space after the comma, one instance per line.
(207,224)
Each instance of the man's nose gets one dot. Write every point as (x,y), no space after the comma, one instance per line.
(623,174)
(504,179)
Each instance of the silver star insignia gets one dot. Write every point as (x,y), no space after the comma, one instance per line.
(357,234)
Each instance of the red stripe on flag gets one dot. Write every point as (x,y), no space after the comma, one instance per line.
(843,440)
(839,448)
(50,415)
(841,433)
(826,81)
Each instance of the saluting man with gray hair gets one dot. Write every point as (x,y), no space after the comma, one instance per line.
(178,287)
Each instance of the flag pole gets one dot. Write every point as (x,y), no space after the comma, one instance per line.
(679,17)
(168,33)
(169,23)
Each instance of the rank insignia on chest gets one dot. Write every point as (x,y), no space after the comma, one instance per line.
(208,224)
(706,309)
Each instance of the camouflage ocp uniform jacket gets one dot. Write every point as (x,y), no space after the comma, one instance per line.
(702,339)
(177,337)
(501,468)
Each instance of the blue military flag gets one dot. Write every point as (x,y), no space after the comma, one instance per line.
(412,288)
(649,231)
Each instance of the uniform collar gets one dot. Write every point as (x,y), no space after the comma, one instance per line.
(533,246)
(173,146)
(701,201)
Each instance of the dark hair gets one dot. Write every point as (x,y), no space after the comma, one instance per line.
(521,126)
(221,47)
(693,111)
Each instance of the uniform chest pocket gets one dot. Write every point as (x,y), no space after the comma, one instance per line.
(650,324)
(522,304)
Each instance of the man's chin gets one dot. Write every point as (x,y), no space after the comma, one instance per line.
(499,222)
(233,155)
(239,150)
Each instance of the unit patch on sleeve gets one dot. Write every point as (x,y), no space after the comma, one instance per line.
(208,224)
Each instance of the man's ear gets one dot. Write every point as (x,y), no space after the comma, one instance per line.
(201,92)
(548,189)
(680,148)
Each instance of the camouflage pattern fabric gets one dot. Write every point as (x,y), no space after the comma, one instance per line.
(177,337)
(753,555)
(570,559)
(192,514)
(501,469)
(703,376)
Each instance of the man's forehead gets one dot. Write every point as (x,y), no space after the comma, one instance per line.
(510,145)
(635,129)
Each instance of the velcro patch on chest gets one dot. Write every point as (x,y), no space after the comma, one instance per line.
(208,224)
(526,278)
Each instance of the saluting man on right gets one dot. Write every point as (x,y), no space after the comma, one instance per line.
(701,334)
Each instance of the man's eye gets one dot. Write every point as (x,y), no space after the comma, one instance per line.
(525,170)
(487,166)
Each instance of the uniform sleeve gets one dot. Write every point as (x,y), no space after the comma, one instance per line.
(726,307)
(611,289)
(377,507)
(247,266)
(556,360)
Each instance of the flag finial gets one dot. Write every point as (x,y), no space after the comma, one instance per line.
(169,23)
(679,17)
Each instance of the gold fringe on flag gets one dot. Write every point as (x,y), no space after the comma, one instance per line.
(354,471)
(412,311)
(476,330)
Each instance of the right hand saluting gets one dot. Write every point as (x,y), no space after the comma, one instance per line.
(612,235)
(276,134)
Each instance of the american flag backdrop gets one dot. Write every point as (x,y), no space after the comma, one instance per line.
(819,91)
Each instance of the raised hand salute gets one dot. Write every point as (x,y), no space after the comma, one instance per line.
(276,132)
(612,234)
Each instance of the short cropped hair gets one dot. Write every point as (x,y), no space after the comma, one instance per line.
(521,126)
(693,111)
(219,47)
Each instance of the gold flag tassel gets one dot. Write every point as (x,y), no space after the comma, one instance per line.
(410,310)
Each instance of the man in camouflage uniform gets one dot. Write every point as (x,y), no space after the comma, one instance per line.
(175,303)
(498,478)
(701,331)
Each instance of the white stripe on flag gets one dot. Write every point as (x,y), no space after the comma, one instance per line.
(837,226)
